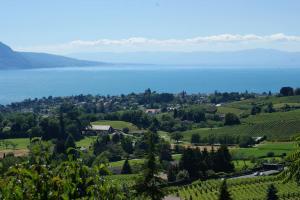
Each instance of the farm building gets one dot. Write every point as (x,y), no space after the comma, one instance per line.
(98,129)
(152,111)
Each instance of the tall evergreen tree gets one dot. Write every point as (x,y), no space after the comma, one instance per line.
(272,193)
(224,194)
(150,185)
(126,169)
(222,160)
(70,142)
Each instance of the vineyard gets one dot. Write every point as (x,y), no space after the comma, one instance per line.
(247,104)
(123,179)
(276,126)
(240,189)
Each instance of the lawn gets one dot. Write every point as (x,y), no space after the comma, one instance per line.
(15,143)
(241,164)
(86,141)
(225,109)
(165,135)
(261,150)
(118,125)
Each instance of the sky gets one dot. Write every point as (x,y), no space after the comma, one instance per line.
(71,26)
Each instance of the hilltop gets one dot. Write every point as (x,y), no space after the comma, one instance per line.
(10,59)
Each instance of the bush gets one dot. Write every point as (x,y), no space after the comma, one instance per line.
(182,175)
(126,130)
(287,91)
(231,119)
(270,154)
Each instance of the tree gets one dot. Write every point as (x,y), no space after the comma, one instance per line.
(116,138)
(183,175)
(224,194)
(195,139)
(126,143)
(70,142)
(231,119)
(165,151)
(297,91)
(287,91)
(246,141)
(272,193)
(222,160)
(172,172)
(176,136)
(270,108)
(189,162)
(126,169)
(150,185)
(255,110)
(125,130)
(293,169)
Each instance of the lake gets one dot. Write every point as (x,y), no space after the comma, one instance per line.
(16,85)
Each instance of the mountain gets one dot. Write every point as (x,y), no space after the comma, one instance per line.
(10,59)
(244,58)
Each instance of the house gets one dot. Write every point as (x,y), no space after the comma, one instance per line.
(98,129)
(152,111)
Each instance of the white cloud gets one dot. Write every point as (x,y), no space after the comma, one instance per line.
(214,42)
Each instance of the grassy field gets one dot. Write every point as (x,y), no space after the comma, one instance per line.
(225,109)
(261,150)
(118,125)
(276,126)
(86,141)
(19,143)
(165,135)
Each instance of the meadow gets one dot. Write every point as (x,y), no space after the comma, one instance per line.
(117,124)
(263,150)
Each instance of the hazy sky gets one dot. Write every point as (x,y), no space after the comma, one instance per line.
(66,26)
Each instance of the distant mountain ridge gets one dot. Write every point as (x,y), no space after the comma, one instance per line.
(10,59)
(243,58)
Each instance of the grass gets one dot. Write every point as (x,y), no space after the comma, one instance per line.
(132,162)
(241,164)
(261,150)
(20,143)
(118,125)
(165,135)
(224,110)
(276,126)
(86,141)
(135,162)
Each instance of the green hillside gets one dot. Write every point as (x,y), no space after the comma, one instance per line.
(247,104)
(276,126)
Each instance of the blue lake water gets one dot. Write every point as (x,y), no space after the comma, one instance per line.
(16,85)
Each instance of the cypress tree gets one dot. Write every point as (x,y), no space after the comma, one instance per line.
(224,194)
(272,193)
(126,169)
(70,142)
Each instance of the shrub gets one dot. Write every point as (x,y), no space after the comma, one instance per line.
(183,175)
